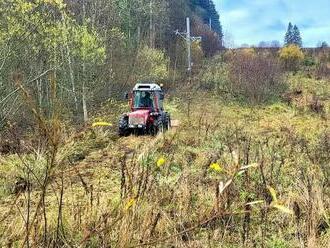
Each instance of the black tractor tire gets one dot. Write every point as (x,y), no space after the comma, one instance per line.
(152,129)
(167,122)
(159,125)
(123,129)
(163,123)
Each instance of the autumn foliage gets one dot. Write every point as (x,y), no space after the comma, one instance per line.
(291,57)
(253,76)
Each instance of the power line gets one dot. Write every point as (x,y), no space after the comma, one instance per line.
(188,38)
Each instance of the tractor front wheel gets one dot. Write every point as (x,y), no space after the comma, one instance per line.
(123,129)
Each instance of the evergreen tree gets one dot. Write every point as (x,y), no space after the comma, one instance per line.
(210,15)
(289,35)
(215,19)
(292,36)
(323,44)
(296,36)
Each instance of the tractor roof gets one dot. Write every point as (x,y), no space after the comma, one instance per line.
(147,87)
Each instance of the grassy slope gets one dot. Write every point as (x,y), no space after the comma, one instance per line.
(115,194)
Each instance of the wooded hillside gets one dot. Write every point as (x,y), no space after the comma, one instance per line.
(116,41)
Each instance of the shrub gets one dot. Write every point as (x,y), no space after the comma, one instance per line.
(323,55)
(322,70)
(277,243)
(230,54)
(256,77)
(309,61)
(215,76)
(152,64)
(291,57)
(197,54)
(247,52)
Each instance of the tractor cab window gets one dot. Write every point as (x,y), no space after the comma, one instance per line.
(144,99)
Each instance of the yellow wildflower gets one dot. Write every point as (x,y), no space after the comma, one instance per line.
(161,161)
(216,167)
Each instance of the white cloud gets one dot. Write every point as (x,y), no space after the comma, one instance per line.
(237,14)
(251,21)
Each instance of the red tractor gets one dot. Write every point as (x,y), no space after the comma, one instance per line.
(147,114)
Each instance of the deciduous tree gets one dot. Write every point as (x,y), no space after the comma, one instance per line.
(291,57)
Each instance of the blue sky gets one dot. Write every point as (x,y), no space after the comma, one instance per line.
(252,21)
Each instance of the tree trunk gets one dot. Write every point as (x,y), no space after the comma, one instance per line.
(70,62)
(84,101)
(72,78)
(138,35)
(151,26)
(39,87)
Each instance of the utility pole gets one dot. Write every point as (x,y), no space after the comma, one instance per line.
(189,44)
(210,19)
(188,38)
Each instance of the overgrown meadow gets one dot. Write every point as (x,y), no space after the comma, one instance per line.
(240,168)
(246,163)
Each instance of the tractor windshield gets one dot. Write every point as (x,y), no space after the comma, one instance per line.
(143,99)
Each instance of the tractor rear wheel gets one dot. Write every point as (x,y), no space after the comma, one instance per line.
(167,122)
(123,129)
